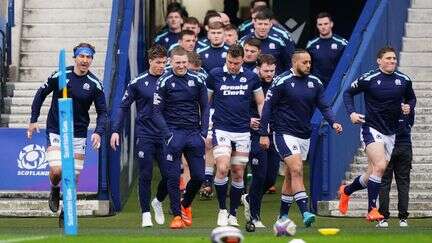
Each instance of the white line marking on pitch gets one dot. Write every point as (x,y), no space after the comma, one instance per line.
(23,239)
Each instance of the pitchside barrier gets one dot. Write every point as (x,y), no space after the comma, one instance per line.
(24,167)
(125,60)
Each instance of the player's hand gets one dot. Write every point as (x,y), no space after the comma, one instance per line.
(406,108)
(264,142)
(209,143)
(337,127)
(357,118)
(31,129)
(254,123)
(96,141)
(115,141)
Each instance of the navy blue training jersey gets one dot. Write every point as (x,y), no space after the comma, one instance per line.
(247,28)
(290,104)
(383,95)
(232,98)
(166,38)
(180,102)
(251,66)
(204,41)
(277,48)
(140,90)
(213,57)
(325,55)
(84,91)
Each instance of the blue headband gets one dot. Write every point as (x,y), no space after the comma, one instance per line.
(84,51)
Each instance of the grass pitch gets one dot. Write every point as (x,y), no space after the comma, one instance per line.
(125,227)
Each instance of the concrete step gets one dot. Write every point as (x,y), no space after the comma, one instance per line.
(23,93)
(423,111)
(421,4)
(417,44)
(417,73)
(415,59)
(359,209)
(424,93)
(422,128)
(413,195)
(40,74)
(425,86)
(416,151)
(61,15)
(415,186)
(417,159)
(414,177)
(418,30)
(23,85)
(39,208)
(50,59)
(357,168)
(65,30)
(75,4)
(424,102)
(56,43)
(421,136)
(423,119)
(420,15)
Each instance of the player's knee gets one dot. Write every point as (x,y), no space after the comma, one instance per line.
(54,157)
(208,143)
(296,172)
(79,163)
(55,171)
(237,176)
(221,151)
(222,171)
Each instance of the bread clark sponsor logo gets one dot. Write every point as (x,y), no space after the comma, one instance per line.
(234,89)
(32,161)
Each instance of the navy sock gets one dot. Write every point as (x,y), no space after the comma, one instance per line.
(286,202)
(302,201)
(374,185)
(235,195)
(356,185)
(221,187)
